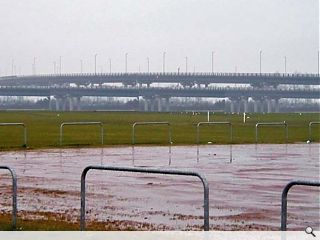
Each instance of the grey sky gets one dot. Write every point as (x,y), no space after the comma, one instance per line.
(234,29)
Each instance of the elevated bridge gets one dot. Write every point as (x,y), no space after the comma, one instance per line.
(184,79)
(154,97)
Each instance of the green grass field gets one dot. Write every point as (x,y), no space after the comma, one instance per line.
(43,128)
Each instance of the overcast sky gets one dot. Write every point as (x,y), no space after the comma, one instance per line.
(235,30)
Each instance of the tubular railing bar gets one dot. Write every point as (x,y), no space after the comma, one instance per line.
(151,123)
(18,124)
(80,123)
(310,125)
(143,170)
(284,198)
(14,195)
(273,124)
(214,123)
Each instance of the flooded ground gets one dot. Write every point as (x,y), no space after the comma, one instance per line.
(245,191)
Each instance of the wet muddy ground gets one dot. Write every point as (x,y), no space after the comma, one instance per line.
(245,191)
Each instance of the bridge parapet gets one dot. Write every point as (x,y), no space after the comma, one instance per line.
(188,79)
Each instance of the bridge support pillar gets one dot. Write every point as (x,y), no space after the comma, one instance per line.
(269,105)
(77,101)
(262,103)
(246,105)
(70,102)
(64,104)
(145,101)
(238,105)
(256,106)
(159,100)
(50,103)
(232,107)
(277,106)
(58,101)
(152,105)
(167,104)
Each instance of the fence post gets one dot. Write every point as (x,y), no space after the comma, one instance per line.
(143,170)
(14,195)
(81,123)
(284,199)
(151,123)
(18,124)
(310,125)
(273,124)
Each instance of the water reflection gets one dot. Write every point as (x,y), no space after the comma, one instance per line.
(134,153)
(230,154)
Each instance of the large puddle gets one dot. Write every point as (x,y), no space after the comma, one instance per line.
(245,191)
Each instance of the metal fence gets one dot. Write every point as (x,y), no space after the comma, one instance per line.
(143,170)
(80,123)
(273,124)
(284,199)
(214,123)
(14,195)
(310,128)
(151,123)
(18,124)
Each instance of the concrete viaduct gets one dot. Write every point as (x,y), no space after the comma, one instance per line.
(64,92)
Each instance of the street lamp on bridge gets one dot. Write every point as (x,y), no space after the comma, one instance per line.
(60,64)
(126,63)
(164,62)
(95,64)
(260,53)
(186,64)
(212,53)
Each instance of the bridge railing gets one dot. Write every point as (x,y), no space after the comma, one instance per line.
(209,74)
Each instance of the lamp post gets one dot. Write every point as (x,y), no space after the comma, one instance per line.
(148,64)
(60,65)
(81,66)
(54,67)
(212,55)
(126,63)
(285,64)
(110,65)
(260,53)
(34,65)
(186,64)
(12,67)
(318,62)
(95,64)
(164,62)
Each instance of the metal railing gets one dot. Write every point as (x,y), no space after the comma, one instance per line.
(273,124)
(18,124)
(80,123)
(143,170)
(14,195)
(310,128)
(285,196)
(151,123)
(214,123)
